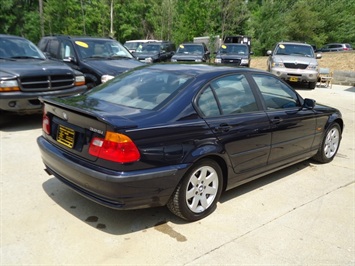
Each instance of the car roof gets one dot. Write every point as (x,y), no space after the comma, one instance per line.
(295,43)
(12,36)
(74,37)
(198,68)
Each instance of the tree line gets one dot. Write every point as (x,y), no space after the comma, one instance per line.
(267,21)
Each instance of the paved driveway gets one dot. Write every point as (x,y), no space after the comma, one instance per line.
(301,215)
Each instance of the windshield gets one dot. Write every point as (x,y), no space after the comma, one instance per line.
(234,49)
(18,48)
(142,89)
(101,48)
(190,49)
(294,49)
(149,48)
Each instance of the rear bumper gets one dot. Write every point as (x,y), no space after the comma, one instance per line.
(27,102)
(114,189)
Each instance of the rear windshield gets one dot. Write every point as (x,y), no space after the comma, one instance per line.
(143,89)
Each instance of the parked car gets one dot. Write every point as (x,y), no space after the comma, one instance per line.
(191,52)
(155,52)
(100,59)
(132,45)
(233,53)
(294,62)
(180,134)
(335,47)
(26,74)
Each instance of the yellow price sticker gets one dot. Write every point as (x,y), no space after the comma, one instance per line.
(82,44)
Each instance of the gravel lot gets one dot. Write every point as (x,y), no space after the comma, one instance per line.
(299,216)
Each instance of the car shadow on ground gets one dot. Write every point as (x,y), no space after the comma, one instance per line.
(124,222)
(14,122)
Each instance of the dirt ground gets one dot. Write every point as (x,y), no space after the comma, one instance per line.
(337,61)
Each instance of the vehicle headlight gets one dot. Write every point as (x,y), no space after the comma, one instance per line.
(106,78)
(312,67)
(9,85)
(198,60)
(218,60)
(148,60)
(278,64)
(244,61)
(79,80)
(173,60)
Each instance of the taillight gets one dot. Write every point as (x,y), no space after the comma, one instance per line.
(114,147)
(46,124)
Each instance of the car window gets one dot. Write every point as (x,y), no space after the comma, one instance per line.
(100,48)
(143,89)
(226,96)
(276,94)
(53,47)
(66,50)
(295,49)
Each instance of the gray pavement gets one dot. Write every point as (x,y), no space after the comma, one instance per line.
(302,215)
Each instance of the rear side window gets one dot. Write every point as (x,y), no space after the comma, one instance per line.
(229,95)
(276,94)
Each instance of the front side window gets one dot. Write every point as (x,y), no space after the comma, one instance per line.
(276,94)
(229,95)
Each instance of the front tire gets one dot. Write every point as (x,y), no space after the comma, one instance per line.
(198,193)
(330,144)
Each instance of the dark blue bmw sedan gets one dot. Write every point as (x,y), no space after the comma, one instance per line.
(180,134)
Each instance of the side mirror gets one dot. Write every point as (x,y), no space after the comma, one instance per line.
(69,59)
(269,52)
(309,103)
(319,56)
(251,53)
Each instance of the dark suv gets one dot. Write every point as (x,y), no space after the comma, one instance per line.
(191,52)
(100,59)
(26,74)
(236,54)
(155,52)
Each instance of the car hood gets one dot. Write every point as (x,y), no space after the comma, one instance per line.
(231,56)
(188,57)
(294,59)
(25,67)
(144,55)
(112,67)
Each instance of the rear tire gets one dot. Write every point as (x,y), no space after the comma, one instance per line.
(312,85)
(330,144)
(198,193)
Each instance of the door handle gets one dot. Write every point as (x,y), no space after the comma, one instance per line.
(223,128)
(276,120)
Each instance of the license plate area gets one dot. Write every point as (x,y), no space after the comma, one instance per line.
(293,79)
(66,136)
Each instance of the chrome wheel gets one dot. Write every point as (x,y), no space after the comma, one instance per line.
(202,189)
(331,142)
(197,194)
